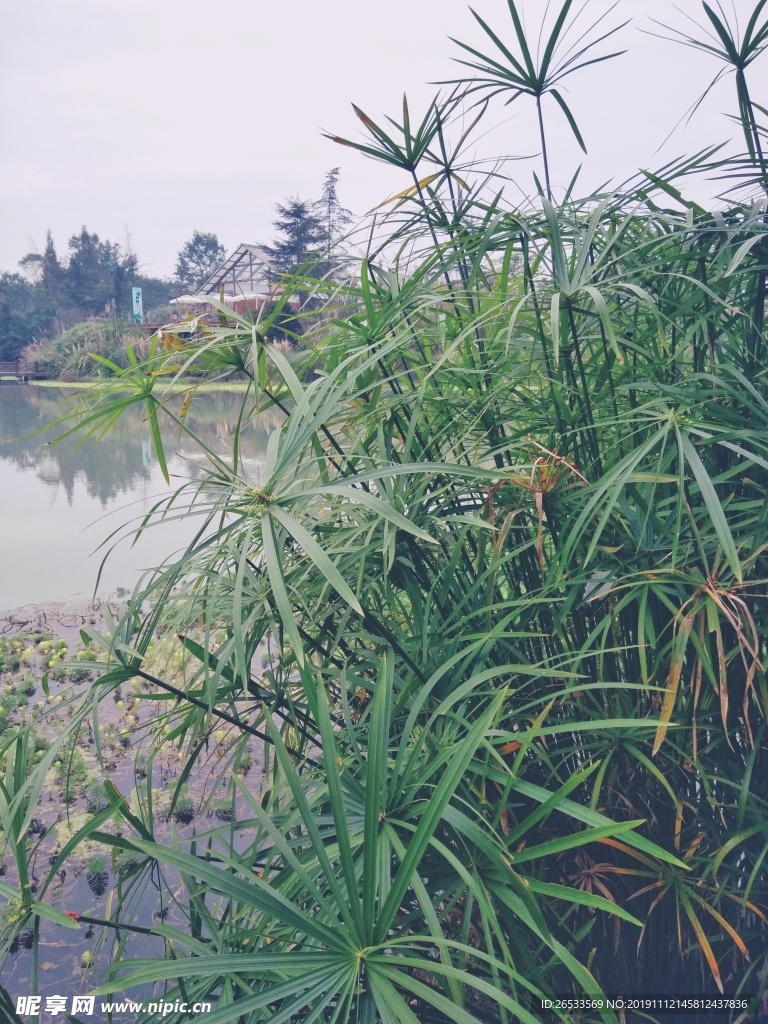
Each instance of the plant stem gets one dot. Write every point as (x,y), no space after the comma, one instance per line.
(543,147)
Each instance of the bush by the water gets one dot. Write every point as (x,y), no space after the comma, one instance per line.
(69,356)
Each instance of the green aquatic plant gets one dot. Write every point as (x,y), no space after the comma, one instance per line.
(97,876)
(183,809)
(96,798)
(71,771)
(141,766)
(96,865)
(21,786)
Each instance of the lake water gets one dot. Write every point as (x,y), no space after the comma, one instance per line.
(58,504)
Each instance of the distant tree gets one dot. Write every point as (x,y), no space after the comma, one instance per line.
(98,275)
(53,294)
(120,269)
(25,314)
(333,216)
(32,267)
(53,276)
(86,284)
(197,260)
(155,292)
(301,231)
(308,231)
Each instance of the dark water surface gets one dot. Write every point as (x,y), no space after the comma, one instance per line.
(58,504)
(74,962)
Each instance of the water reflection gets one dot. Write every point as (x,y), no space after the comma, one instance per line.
(52,497)
(124,457)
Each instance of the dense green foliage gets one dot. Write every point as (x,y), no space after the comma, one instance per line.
(25,314)
(53,295)
(70,356)
(197,260)
(309,233)
(94,280)
(495,605)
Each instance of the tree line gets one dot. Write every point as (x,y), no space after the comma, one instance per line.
(53,291)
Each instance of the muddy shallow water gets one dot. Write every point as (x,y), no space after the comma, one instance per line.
(46,638)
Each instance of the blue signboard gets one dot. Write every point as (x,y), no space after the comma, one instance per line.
(138,309)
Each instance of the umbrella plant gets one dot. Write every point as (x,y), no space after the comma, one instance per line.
(494,607)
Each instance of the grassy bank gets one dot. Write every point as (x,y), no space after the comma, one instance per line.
(200,386)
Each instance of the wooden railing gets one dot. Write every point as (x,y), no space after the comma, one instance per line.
(22,370)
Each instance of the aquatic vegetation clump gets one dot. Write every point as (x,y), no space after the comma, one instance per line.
(97,876)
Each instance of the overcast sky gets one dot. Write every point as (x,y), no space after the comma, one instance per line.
(154,118)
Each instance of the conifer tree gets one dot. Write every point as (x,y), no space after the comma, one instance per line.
(334,217)
(53,275)
(302,236)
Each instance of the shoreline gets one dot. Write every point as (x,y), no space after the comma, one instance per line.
(183,385)
(64,617)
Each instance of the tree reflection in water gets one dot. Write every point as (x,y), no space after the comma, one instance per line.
(123,458)
(61,505)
